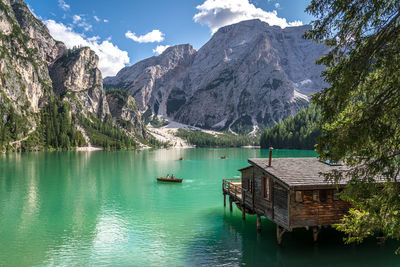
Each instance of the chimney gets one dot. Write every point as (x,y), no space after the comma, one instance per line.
(270,156)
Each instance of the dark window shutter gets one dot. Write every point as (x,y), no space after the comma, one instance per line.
(263,187)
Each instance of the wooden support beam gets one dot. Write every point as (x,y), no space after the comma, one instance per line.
(315,233)
(230,204)
(279,234)
(258,223)
(224,200)
(243,213)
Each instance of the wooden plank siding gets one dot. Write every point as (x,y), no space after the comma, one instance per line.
(316,213)
(261,205)
(281,207)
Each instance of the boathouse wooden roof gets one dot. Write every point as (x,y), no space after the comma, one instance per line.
(298,172)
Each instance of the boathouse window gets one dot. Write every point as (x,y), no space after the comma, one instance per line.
(245,183)
(315,195)
(323,195)
(336,194)
(299,196)
(266,188)
(250,187)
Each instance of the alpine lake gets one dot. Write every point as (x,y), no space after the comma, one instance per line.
(107,209)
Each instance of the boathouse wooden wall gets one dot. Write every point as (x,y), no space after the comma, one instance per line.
(314,212)
(282,207)
(247,184)
(261,204)
(276,208)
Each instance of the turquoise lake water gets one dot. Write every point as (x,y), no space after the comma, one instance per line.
(106,209)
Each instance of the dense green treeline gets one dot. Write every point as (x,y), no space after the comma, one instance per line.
(118,93)
(13,125)
(202,139)
(295,132)
(56,130)
(57,127)
(105,134)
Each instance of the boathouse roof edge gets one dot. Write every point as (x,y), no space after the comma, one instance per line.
(298,172)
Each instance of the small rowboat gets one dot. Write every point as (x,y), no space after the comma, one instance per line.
(180,158)
(175,180)
(223,157)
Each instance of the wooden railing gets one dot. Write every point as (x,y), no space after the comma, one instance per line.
(232,187)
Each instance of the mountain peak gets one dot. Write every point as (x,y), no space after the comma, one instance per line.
(185,48)
(259,25)
(249,75)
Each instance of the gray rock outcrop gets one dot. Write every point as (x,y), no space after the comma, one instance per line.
(151,81)
(126,112)
(248,75)
(77,79)
(35,68)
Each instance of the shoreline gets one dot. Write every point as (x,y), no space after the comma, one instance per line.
(89,148)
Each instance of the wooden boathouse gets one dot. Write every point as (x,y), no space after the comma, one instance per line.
(288,191)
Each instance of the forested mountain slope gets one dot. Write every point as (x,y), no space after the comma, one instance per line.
(295,132)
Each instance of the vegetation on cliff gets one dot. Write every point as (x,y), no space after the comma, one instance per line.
(202,139)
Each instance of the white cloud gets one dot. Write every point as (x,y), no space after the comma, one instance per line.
(160,49)
(151,37)
(80,21)
(64,6)
(105,21)
(111,58)
(218,13)
(277,5)
(96,18)
(76,18)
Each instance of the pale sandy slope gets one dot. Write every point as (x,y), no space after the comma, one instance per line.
(167,133)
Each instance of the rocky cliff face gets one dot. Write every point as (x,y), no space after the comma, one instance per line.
(77,79)
(248,75)
(25,54)
(35,69)
(152,80)
(126,112)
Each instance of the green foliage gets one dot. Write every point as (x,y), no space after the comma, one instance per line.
(12,126)
(120,94)
(355,224)
(202,139)
(243,125)
(57,128)
(157,122)
(295,132)
(105,134)
(70,53)
(378,213)
(360,110)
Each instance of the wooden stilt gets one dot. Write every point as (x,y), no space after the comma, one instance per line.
(224,200)
(315,233)
(230,204)
(279,234)
(258,223)
(243,213)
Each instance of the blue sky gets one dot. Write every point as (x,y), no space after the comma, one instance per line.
(123,32)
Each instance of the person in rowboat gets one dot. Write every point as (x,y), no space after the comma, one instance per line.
(167,176)
(172,176)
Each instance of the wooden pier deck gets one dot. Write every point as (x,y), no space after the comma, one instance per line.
(233,187)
